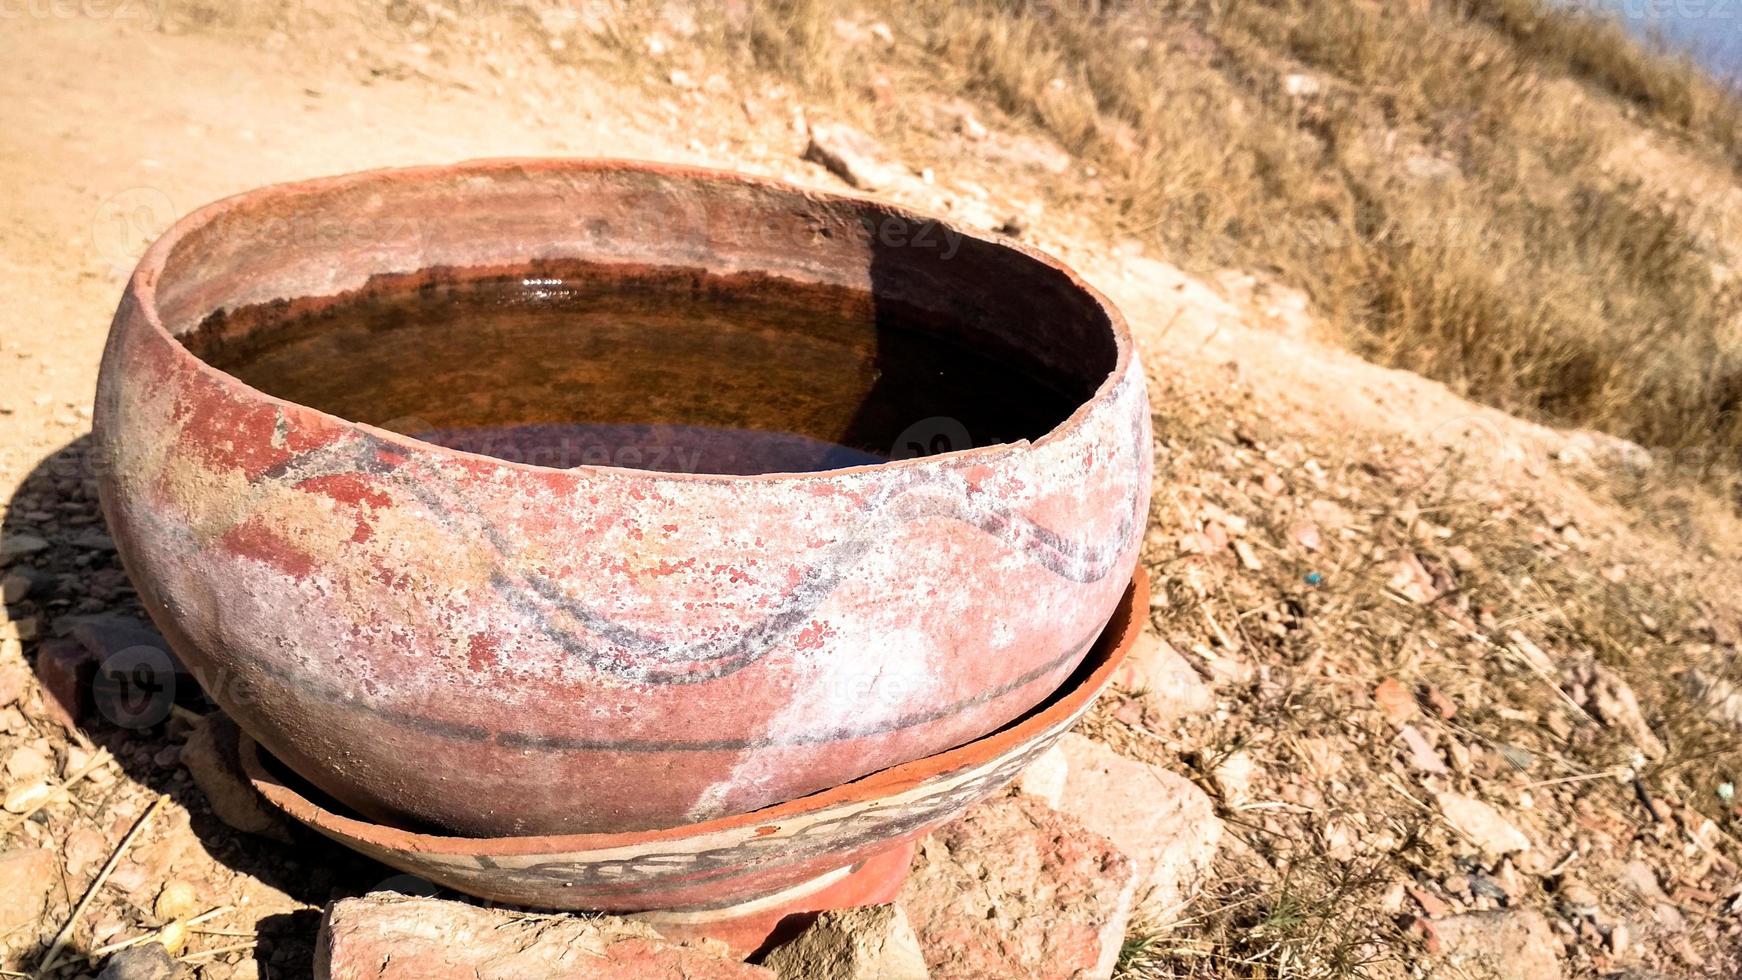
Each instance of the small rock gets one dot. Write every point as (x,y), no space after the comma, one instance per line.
(1306,534)
(1514,944)
(27,764)
(1421,754)
(129,878)
(146,961)
(27,797)
(66,670)
(1046,776)
(14,681)
(1233,777)
(1410,579)
(246,968)
(1247,555)
(26,879)
(1330,514)
(1222,669)
(384,936)
(84,850)
(16,546)
(1300,86)
(210,758)
(25,628)
(871,943)
(77,759)
(1391,900)
(1643,880)
(850,155)
(1617,707)
(1430,938)
(1558,724)
(1340,838)
(1428,167)
(1394,701)
(1158,819)
(1432,904)
(1577,899)
(1172,690)
(1508,879)
(1016,889)
(1443,706)
(1463,559)
(1482,824)
(16,586)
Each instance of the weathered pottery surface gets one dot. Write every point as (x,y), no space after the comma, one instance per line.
(444,638)
(731,863)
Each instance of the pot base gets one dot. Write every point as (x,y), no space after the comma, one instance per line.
(764,923)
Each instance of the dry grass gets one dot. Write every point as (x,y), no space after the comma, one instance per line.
(1670,87)
(1313,923)
(795,38)
(1428,172)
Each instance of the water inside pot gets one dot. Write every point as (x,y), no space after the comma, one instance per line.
(567,364)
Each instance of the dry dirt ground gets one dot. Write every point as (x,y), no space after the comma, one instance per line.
(1400,600)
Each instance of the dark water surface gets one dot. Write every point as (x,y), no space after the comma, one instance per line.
(674,370)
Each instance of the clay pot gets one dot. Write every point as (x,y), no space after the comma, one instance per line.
(341,534)
(734,878)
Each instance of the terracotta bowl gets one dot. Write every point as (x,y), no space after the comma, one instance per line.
(778,857)
(347,431)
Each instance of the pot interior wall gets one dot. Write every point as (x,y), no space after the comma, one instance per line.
(748,358)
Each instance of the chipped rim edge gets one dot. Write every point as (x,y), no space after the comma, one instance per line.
(1117,640)
(142,285)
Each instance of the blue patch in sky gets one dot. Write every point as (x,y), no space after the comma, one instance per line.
(1709,30)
